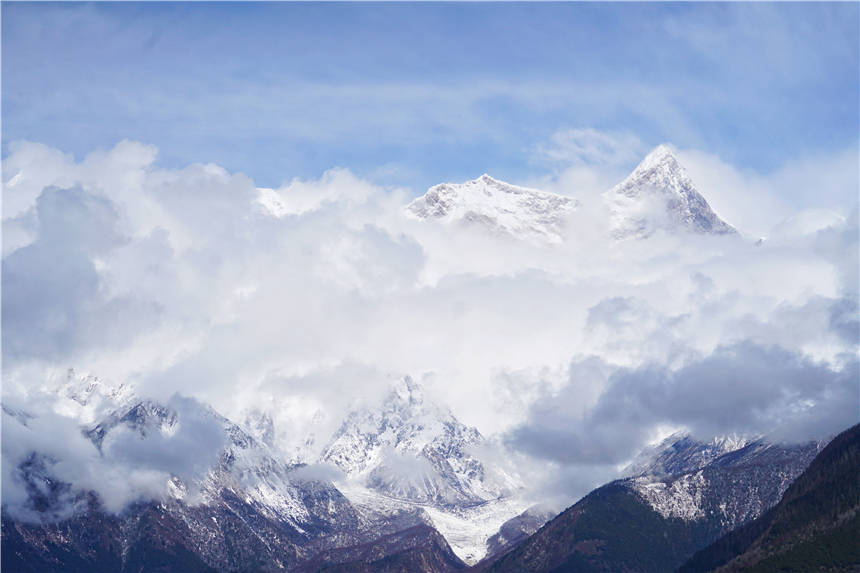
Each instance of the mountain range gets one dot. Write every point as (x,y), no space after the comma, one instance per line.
(249,512)
(658,195)
(252,512)
(401,484)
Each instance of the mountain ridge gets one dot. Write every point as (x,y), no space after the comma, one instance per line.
(814,526)
(653,523)
(657,195)
(521,212)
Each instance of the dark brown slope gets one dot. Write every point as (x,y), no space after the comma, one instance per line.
(419,549)
(815,527)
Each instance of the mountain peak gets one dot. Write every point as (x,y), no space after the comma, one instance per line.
(521,212)
(659,193)
(660,169)
(661,156)
(407,390)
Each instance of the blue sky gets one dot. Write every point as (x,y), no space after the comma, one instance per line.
(413,94)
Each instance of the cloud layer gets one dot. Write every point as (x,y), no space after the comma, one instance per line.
(302,300)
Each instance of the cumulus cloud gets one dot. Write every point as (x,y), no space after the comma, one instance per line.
(743,388)
(800,197)
(299,301)
(299,197)
(52,292)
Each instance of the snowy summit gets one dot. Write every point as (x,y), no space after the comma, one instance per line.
(660,194)
(523,213)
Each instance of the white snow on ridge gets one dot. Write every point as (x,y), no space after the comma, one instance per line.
(679,453)
(680,498)
(410,448)
(529,214)
(657,195)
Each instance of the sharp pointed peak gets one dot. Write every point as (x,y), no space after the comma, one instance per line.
(662,150)
(663,154)
(407,389)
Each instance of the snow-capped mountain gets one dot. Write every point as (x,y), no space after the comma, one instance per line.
(418,493)
(410,452)
(414,450)
(520,212)
(88,398)
(659,194)
(240,509)
(686,478)
(813,527)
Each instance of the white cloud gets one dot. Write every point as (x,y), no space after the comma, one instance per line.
(755,203)
(300,197)
(131,464)
(590,147)
(178,279)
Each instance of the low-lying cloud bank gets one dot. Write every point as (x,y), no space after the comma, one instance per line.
(49,464)
(302,300)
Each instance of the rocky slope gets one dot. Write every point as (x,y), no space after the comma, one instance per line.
(653,523)
(680,453)
(814,527)
(419,548)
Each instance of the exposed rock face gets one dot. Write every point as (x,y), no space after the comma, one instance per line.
(730,490)
(680,453)
(814,527)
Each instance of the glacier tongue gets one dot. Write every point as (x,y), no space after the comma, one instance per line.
(467,529)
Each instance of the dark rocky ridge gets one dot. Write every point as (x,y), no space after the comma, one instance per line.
(619,528)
